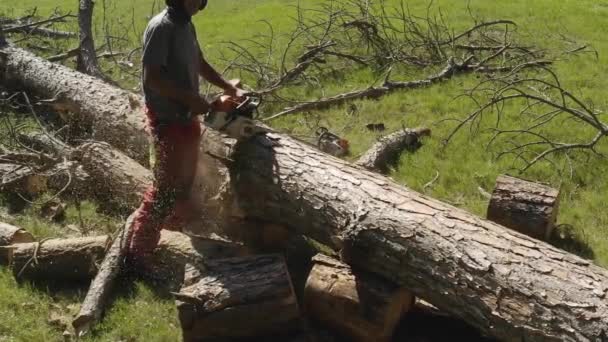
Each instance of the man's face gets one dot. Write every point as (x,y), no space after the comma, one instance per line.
(192,6)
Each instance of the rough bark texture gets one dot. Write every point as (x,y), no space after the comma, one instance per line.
(58,259)
(115,115)
(530,208)
(361,306)
(101,287)
(87,58)
(506,284)
(385,152)
(117,180)
(238,297)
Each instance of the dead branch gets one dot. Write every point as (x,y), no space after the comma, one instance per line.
(386,151)
(34,27)
(451,69)
(542,101)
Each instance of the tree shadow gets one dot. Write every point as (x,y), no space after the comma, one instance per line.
(565,237)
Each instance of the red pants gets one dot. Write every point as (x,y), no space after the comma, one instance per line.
(166,203)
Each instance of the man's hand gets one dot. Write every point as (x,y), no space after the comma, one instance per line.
(233,89)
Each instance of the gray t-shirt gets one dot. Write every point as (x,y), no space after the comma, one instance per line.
(173,46)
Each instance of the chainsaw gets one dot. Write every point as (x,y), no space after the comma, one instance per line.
(235,117)
(331,143)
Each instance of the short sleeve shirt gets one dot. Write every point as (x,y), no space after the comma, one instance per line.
(174,47)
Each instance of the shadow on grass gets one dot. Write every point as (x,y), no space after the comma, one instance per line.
(565,237)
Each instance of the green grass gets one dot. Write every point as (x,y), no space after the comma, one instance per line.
(463,167)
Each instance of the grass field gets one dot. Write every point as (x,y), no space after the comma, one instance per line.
(463,167)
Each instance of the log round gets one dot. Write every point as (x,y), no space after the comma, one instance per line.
(530,208)
(238,298)
(506,284)
(363,307)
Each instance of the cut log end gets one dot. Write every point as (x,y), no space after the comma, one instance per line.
(10,234)
(527,207)
(361,306)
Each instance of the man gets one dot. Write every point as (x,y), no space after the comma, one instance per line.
(172,62)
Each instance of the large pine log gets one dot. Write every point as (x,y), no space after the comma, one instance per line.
(237,298)
(506,284)
(530,208)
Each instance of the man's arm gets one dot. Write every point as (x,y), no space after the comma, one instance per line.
(214,77)
(165,88)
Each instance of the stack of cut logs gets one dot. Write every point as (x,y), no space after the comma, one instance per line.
(393,243)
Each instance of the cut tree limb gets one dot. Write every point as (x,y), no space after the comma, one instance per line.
(57,259)
(386,151)
(528,207)
(504,283)
(101,287)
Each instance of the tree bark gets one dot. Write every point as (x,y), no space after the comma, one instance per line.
(385,152)
(238,297)
(116,181)
(529,208)
(504,283)
(111,114)
(361,306)
(469,267)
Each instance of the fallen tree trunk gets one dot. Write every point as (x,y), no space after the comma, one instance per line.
(385,152)
(116,181)
(502,282)
(82,98)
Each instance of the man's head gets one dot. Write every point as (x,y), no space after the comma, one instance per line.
(190,6)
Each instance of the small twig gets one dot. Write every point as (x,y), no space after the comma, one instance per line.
(431,182)
(33,258)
